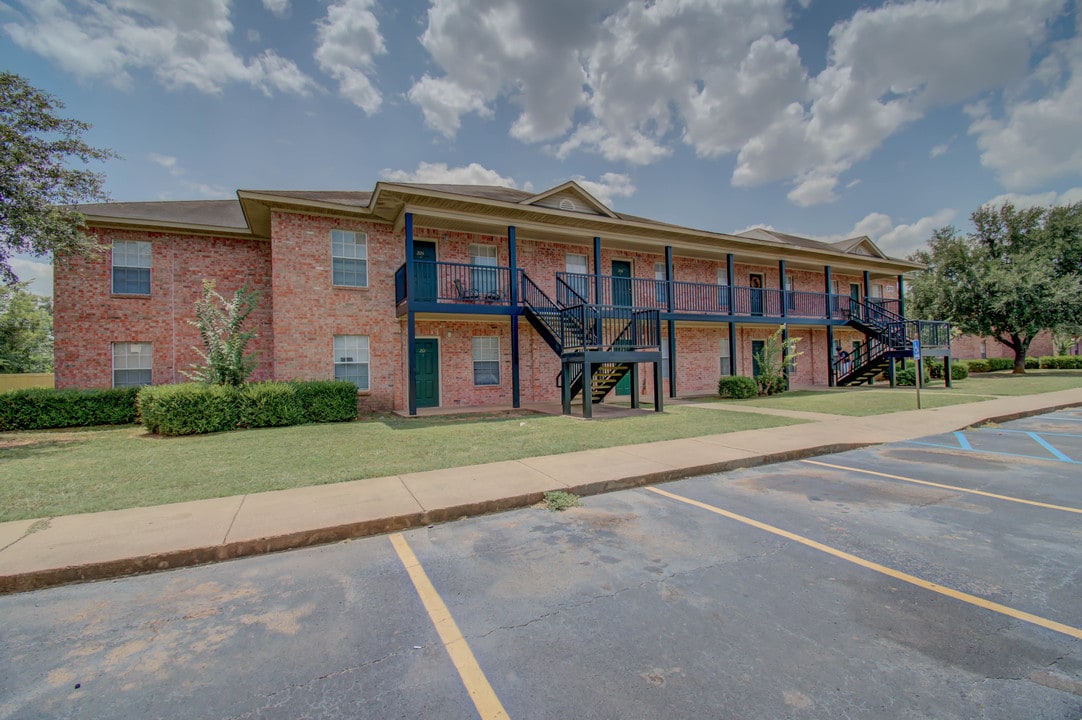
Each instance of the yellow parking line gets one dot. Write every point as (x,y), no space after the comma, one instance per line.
(477,685)
(955,488)
(897,574)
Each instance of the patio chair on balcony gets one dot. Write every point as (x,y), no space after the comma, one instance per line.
(464,293)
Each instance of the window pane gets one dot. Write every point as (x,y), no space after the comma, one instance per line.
(349,258)
(723,276)
(486,361)
(576,264)
(486,373)
(131,267)
(132,364)
(351,359)
(483,255)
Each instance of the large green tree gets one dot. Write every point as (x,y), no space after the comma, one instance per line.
(26,331)
(40,177)
(1017,273)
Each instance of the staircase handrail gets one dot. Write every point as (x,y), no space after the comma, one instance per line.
(871,314)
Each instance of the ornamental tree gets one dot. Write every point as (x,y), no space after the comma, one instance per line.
(219,322)
(26,331)
(39,179)
(1018,273)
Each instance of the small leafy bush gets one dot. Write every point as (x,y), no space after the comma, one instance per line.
(934,368)
(1001,363)
(978,366)
(195,408)
(327,400)
(959,371)
(1061,362)
(1032,363)
(41,408)
(737,386)
(557,500)
(908,376)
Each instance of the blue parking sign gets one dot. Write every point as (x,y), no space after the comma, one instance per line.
(916,349)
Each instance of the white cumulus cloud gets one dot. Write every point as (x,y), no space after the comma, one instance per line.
(348,41)
(472,174)
(896,240)
(279,8)
(183,45)
(609,186)
(38,273)
(1036,138)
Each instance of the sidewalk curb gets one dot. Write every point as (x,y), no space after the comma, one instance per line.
(188,557)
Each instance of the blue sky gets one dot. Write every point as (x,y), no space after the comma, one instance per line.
(822,118)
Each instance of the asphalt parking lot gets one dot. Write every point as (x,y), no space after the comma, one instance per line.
(933,578)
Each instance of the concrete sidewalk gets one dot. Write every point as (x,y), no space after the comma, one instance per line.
(53,551)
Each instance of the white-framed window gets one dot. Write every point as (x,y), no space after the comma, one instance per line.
(877,290)
(723,275)
(486,360)
(664,359)
(349,258)
(484,279)
(131,267)
(659,275)
(351,360)
(790,298)
(578,265)
(726,361)
(132,362)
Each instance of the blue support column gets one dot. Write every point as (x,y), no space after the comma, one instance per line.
(867,287)
(730,269)
(668,278)
(785,354)
(587,387)
(411,323)
(830,355)
(516,381)
(827,289)
(671,340)
(658,394)
(732,348)
(781,285)
(597,270)
(901,295)
(634,386)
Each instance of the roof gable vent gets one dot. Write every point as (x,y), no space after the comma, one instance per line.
(567,204)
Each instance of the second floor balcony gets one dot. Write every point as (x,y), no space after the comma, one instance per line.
(487,289)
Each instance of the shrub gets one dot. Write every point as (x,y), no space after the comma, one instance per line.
(908,376)
(959,371)
(737,386)
(41,408)
(1032,363)
(934,368)
(271,404)
(558,500)
(978,366)
(1061,362)
(189,409)
(195,408)
(999,363)
(327,400)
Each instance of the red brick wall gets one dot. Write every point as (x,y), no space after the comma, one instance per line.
(968,347)
(88,318)
(309,311)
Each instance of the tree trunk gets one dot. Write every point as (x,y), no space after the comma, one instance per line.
(1019,362)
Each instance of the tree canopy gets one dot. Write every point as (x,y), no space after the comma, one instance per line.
(26,331)
(39,180)
(1019,272)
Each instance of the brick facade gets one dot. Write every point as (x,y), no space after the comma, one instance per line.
(301,310)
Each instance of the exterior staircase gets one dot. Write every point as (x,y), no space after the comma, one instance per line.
(611,339)
(888,338)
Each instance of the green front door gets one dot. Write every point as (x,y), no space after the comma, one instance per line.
(756,349)
(428,372)
(424,271)
(624,386)
(621,283)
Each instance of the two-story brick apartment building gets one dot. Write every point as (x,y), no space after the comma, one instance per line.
(452,295)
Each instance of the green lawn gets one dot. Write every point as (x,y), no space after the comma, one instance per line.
(880,398)
(47,473)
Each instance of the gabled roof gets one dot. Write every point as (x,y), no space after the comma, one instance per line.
(571,188)
(206,214)
(862,245)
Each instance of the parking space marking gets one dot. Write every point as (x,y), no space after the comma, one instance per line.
(963,441)
(883,569)
(955,488)
(480,691)
(1048,446)
(983,451)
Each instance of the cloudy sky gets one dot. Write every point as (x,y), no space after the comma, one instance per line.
(823,118)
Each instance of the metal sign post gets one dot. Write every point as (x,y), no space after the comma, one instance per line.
(920,371)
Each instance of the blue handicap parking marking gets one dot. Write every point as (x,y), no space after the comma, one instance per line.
(995,441)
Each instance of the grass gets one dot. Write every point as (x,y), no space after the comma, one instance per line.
(880,399)
(49,473)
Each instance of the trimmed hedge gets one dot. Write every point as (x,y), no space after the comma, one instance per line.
(41,408)
(978,366)
(959,371)
(908,376)
(1032,363)
(193,408)
(737,386)
(1060,362)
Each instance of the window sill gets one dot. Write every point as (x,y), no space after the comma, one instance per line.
(349,287)
(129,296)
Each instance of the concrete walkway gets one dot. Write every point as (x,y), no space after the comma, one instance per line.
(52,551)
